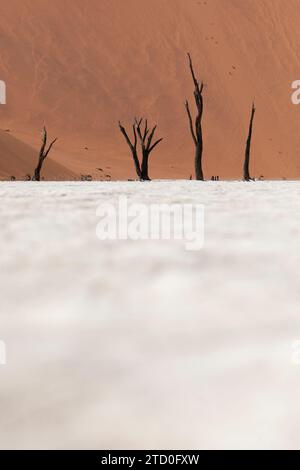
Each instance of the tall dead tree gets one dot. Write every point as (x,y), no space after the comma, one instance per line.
(145,138)
(248,147)
(43,155)
(196,130)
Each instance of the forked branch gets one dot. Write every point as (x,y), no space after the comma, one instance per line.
(142,133)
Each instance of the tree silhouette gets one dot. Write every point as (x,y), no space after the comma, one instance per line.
(43,155)
(196,130)
(145,138)
(248,147)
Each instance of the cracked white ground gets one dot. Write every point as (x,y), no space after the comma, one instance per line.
(143,344)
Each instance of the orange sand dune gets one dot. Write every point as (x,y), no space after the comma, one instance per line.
(81,65)
(18,160)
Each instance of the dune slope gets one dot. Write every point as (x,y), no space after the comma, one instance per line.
(18,160)
(81,66)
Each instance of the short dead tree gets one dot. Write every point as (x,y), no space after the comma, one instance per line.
(248,147)
(196,130)
(86,178)
(42,155)
(141,134)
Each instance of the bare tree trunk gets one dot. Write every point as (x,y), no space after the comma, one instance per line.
(37,171)
(248,147)
(198,161)
(196,130)
(145,172)
(146,145)
(133,148)
(42,155)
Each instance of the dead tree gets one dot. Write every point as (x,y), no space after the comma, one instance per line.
(145,138)
(43,155)
(196,130)
(248,147)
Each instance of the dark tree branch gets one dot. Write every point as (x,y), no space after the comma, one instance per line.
(139,132)
(151,137)
(155,144)
(198,88)
(50,147)
(190,121)
(196,83)
(44,142)
(132,146)
(248,147)
(135,136)
(146,130)
(123,130)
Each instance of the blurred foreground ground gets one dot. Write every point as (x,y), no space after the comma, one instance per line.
(144,344)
